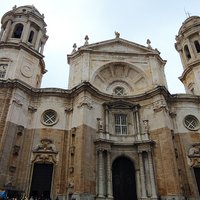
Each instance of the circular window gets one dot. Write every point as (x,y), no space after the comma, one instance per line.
(191,122)
(119,91)
(49,117)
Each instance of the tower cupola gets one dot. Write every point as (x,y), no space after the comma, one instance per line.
(188,46)
(24,25)
(22,40)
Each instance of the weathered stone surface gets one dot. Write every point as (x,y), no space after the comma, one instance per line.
(118,106)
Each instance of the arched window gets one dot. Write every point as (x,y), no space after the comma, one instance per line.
(31,35)
(187,52)
(197,46)
(18,31)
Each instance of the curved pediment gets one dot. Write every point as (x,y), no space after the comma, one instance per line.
(120,75)
(120,105)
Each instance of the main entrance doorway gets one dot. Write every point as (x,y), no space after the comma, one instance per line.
(197,176)
(41,181)
(124,185)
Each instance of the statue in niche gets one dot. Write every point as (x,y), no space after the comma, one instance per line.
(99,124)
(146,126)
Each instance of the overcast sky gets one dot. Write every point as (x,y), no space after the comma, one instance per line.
(68,21)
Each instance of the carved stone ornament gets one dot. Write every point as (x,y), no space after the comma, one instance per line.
(45,152)
(71,183)
(144,148)
(160,105)
(146,126)
(194,155)
(99,125)
(17,102)
(27,71)
(103,146)
(85,102)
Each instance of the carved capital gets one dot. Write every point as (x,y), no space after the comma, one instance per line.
(101,147)
(144,148)
(85,102)
(17,102)
(68,109)
(32,109)
(160,105)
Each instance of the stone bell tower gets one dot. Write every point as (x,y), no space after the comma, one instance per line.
(22,40)
(188,46)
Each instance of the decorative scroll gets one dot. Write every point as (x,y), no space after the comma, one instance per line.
(45,152)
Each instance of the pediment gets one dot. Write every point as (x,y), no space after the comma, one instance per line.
(119,105)
(119,45)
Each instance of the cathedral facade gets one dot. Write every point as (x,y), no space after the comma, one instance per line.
(116,133)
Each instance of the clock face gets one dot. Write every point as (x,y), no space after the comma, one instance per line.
(27,71)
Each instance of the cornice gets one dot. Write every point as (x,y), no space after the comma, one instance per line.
(92,51)
(21,45)
(189,68)
(185,98)
(24,46)
(87,87)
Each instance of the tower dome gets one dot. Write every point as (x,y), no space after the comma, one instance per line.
(24,24)
(188,46)
(188,24)
(22,40)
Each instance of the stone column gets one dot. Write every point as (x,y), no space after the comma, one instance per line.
(38,40)
(106,116)
(109,177)
(26,32)
(190,48)
(142,177)
(42,48)
(137,123)
(100,168)
(6,32)
(138,184)
(1,33)
(152,178)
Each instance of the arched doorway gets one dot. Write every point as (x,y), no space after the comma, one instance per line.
(41,181)
(124,185)
(197,176)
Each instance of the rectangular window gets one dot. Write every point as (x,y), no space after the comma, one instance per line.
(3,68)
(121,124)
